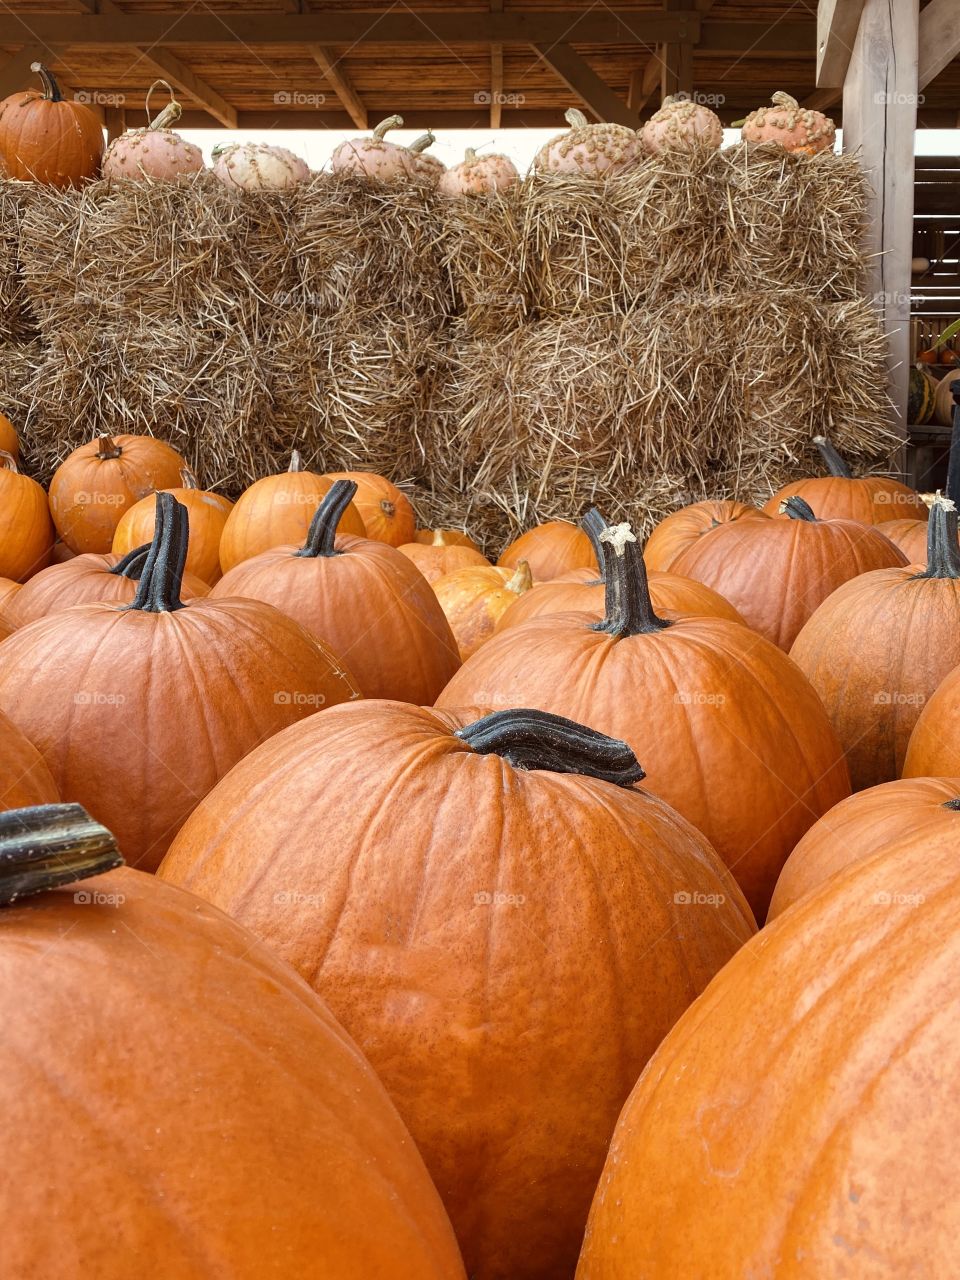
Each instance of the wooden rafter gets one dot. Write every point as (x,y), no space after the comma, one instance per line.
(496,74)
(939,38)
(644,83)
(339,81)
(581,79)
(838,22)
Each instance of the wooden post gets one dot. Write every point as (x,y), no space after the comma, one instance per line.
(677,70)
(115,120)
(879,121)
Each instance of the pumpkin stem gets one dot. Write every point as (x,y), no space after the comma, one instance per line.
(781,99)
(384,127)
(832,461)
(162,577)
(953,461)
(425,140)
(8,461)
(797,509)
(170,114)
(296,462)
(953,804)
(322,534)
(469,155)
(131,566)
(439,538)
(107,448)
(48,845)
(943,549)
(51,90)
(575,118)
(628,607)
(522,579)
(538,740)
(388,508)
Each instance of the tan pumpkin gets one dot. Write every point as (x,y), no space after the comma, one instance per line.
(95,484)
(26,531)
(207,513)
(475,599)
(44,138)
(385,510)
(276,511)
(452,537)
(441,557)
(258,166)
(682,528)
(154,151)
(479,175)
(551,549)
(790,126)
(588,150)
(375,157)
(682,125)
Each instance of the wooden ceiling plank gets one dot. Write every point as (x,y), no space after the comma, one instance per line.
(939,38)
(581,79)
(838,22)
(338,79)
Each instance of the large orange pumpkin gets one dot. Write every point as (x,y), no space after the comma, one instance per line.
(44,138)
(910,536)
(842,496)
(474,600)
(551,549)
(776,572)
(877,649)
(800,1120)
(872,821)
(681,529)
(508,940)
(276,511)
(139,709)
(386,511)
(361,597)
(86,579)
(934,746)
(207,512)
(94,486)
(733,735)
(228,1125)
(441,557)
(9,440)
(24,777)
(26,532)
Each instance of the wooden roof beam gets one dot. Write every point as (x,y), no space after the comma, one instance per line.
(644,82)
(838,22)
(939,38)
(581,79)
(496,74)
(339,81)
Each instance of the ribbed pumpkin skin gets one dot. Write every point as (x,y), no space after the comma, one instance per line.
(56,143)
(875,651)
(800,1120)
(869,499)
(474,600)
(8,592)
(7,628)
(681,529)
(438,559)
(24,778)
(84,579)
(277,511)
(207,513)
(870,822)
(550,549)
(89,494)
(217,1047)
(26,532)
(369,604)
(910,536)
(934,746)
(138,715)
(669,592)
(777,572)
(508,1034)
(386,512)
(713,712)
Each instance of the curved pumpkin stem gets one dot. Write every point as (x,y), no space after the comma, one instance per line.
(48,845)
(420,144)
(943,549)
(832,461)
(781,99)
(296,462)
(575,118)
(322,534)
(162,577)
(8,462)
(51,90)
(522,579)
(538,740)
(132,564)
(187,479)
(797,508)
(469,155)
(953,462)
(384,127)
(628,607)
(170,114)
(108,448)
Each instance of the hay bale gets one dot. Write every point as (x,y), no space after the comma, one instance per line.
(480,250)
(795,221)
(18,324)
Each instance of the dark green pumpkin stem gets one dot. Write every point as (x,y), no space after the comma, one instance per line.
(162,577)
(943,549)
(953,804)
(48,845)
(538,740)
(322,534)
(628,609)
(953,461)
(51,90)
(832,460)
(131,566)
(797,509)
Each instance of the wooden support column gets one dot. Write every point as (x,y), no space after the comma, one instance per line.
(677,61)
(879,122)
(115,120)
(496,74)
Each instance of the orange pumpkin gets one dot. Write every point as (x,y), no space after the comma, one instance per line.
(934,746)
(276,511)
(681,529)
(362,597)
(910,536)
(44,138)
(878,647)
(474,600)
(139,709)
(7,627)
(94,486)
(718,712)
(452,537)
(441,557)
(26,532)
(9,440)
(24,778)
(386,512)
(8,592)
(795,128)
(459,963)
(776,572)
(207,513)
(551,549)
(831,1037)
(89,579)
(909,810)
(216,1045)
(842,496)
